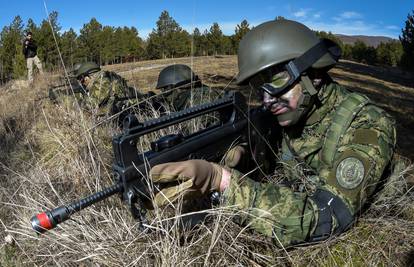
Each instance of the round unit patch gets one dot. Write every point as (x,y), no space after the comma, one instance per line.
(350,173)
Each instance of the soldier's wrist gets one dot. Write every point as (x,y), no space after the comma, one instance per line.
(225,180)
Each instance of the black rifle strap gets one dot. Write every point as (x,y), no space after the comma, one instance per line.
(330,205)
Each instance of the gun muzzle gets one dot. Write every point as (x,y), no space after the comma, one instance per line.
(50,219)
(41,222)
(45,221)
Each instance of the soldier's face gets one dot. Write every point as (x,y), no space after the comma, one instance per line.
(29,36)
(284,104)
(85,80)
(279,97)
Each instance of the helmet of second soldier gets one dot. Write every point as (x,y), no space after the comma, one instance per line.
(75,69)
(85,69)
(276,42)
(176,75)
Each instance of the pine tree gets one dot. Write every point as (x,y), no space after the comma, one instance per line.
(389,53)
(47,45)
(132,45)
(199,43)
(358,50)
(168,39)
(111,42)
(69,48)
(90,41)
(347,51)
(240,32)
(215,39)
(407,41)
(363,53)
(12,60)
(196,42)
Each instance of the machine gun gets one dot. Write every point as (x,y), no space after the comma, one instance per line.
(130,165)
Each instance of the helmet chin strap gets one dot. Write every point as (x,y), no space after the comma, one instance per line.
(305,103)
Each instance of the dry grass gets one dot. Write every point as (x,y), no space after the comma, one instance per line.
(52,154)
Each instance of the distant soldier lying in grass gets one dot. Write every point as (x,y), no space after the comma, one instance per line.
(103,94)
(182,88)
(107,94)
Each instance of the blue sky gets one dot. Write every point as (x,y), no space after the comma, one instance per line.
(347,17)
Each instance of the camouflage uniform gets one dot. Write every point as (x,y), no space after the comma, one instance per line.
(107,93)
(183,98)
(182,88)
(350,168)
(180,99)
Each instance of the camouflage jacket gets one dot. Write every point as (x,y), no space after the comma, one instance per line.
(350,171)
(182,98)
(107,93)
(362,152)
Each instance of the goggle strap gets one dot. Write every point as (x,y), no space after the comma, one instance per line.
(307,59)
(307,84)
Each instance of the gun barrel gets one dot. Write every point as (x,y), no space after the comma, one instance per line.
(50,219)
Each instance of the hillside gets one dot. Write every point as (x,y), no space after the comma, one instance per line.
(368,40)
(52,154)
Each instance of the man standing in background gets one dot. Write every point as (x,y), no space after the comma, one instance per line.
(30,53)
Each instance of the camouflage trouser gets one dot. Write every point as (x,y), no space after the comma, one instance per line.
(270,209)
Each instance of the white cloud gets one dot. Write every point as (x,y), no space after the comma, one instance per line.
(358,27)
(348,22)
(350,15)
(347,15)
(300,14)
(392,27)
(306,13)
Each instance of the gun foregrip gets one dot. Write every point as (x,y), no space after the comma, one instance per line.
(45,221)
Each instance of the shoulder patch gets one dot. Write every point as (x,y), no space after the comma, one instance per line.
(350,172)
(365,137)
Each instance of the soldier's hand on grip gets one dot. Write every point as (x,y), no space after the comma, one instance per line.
(187,179)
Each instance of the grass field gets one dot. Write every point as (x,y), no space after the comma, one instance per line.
(51,154)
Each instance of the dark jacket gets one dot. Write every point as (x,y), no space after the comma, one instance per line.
(29,50)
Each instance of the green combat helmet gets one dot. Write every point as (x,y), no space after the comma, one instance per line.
(278,54)
(275,42)
(176,75)
(85,69)
(75,69)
